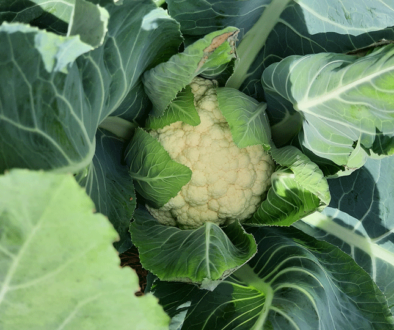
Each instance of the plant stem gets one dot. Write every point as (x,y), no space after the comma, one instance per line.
(159,2)
(254,40)
(118,126)
(249,277)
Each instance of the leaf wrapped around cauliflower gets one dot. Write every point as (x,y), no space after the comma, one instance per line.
(227,182)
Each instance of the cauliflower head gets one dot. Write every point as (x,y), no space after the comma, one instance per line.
(227,182)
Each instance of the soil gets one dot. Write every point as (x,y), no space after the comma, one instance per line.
(131,259)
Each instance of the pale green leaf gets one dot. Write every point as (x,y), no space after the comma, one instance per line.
(298,188)
(246,117)
(342,99)
(181,109)
(58,269)
(157,177)
(163,82)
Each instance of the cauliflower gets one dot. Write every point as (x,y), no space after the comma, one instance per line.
(227,182)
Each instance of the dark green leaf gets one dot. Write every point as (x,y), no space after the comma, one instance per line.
(360,220)
(304,27)
(110,186)
(201,256)
(53,16)
(294,282)
(51,116)
(90,22)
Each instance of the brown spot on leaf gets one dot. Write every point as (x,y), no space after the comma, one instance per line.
(216,42)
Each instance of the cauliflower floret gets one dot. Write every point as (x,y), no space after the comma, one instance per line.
(227,182)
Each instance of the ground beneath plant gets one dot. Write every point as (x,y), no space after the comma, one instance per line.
(131,258)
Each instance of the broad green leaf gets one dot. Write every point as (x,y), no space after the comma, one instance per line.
(306,27)
(202,256)
(181,109)
(135,107)
(163,82)
(90,22)
(343,99)
(157,177)
(51,15)
(294,282)
(347,15)
(360,220)
(255,39)
(52,117)
(58,267)
(298,188)
(246,117)
(220,73)
(306,173)
(108,183)
(37,101)
(332,16)
(383,144)
(64,17)
(53,51)
(328,167)
(200,17)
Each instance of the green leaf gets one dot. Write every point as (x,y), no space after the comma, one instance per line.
(360,220)
(328,167)
(90,22)
(181,109)
(303,28)
(54,16)
(354,17)
(298,189)
(220,73)
(201,256)
(255,39)
(156,176)
(66,17)
(383,144)
(52,117)
(108,183)
(55,52)
(58,268)
(294,282)
(342,99)
(246,117)
(306,173)
(163,82)
(135,107)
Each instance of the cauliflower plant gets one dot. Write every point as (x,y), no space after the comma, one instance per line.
(227,182)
